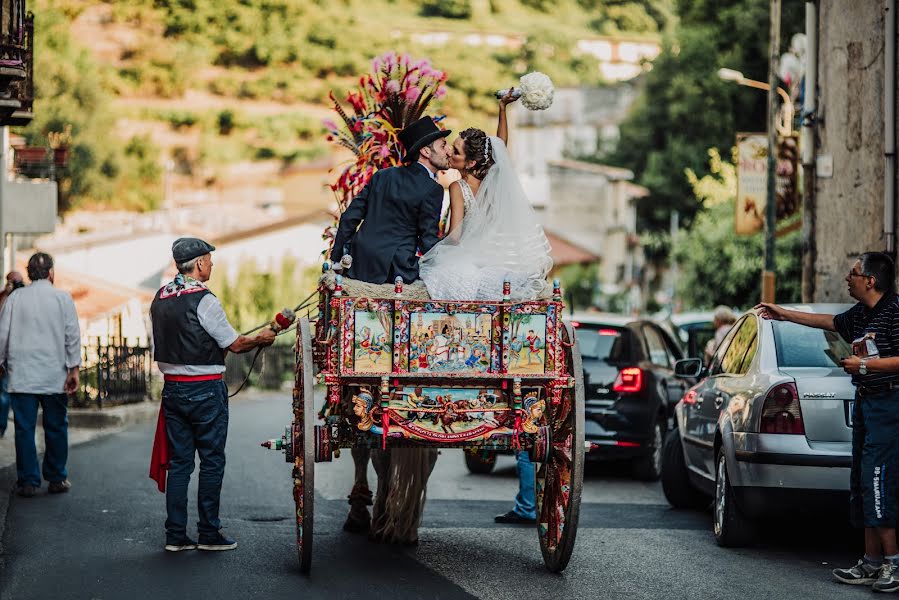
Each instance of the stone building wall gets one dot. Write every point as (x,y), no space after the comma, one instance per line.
(851,134)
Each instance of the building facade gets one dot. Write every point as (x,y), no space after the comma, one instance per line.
(854,186)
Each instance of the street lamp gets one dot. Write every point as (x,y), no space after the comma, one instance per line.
(786,125)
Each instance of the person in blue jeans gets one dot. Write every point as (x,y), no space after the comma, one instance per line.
(871,327)
(525,509)
(40,346)
(190,337)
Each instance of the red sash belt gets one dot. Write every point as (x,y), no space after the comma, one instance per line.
(189,378)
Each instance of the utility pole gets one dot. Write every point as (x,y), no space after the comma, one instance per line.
(768,279)
(807,150)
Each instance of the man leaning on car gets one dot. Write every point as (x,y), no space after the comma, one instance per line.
(872,327)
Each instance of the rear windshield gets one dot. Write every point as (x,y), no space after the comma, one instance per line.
(602,343)
(800,346)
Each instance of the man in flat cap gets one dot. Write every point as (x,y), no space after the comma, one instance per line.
(398,212)
(191,335)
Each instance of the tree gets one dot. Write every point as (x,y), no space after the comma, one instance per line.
(686,109)
(70,91)
(451,9)
(715,266)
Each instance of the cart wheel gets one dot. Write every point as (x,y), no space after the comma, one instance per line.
(303,443)
(561,477)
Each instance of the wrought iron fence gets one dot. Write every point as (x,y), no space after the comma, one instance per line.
(113,374)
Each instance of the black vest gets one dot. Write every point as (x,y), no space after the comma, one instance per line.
(178,337)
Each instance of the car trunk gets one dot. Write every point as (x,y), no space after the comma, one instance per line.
(599,377)
(825,394)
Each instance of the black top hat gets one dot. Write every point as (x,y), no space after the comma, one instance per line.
(419,134)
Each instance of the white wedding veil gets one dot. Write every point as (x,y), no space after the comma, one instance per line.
(499,238)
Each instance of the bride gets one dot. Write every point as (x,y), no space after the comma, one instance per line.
(494,234)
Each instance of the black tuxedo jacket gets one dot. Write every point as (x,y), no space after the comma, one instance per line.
(399,212)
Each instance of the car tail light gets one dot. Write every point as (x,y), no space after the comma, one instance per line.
(781,412)
(629,380)
(690,397)
(575,324)
(613,332)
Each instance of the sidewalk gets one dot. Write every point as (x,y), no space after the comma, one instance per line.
(85,424)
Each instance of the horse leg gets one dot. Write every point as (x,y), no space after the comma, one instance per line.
(358,520)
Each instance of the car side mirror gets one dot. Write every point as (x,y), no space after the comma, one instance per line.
(688,368)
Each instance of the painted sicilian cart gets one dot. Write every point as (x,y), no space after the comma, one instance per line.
(401,372)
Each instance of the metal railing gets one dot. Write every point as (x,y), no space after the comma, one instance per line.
(113,374)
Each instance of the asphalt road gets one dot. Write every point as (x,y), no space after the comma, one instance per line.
(104,540)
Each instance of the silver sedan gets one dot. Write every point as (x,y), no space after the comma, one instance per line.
(768,428)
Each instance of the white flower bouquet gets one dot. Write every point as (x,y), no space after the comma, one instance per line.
(535,90)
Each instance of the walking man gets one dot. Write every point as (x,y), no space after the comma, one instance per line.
(872,327)
(191,335)
(40,346)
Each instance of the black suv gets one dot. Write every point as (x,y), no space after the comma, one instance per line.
(630,391)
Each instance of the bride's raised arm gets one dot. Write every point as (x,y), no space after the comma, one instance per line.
(502,127)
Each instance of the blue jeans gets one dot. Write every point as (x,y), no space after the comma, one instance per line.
(526,500)
(56,437)
(196,422)
(4,404)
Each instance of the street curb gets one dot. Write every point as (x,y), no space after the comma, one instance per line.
(114,417)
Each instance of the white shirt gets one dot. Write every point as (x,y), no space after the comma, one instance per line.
(40,339)
(212,318)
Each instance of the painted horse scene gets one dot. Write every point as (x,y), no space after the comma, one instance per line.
(443,343)
(527,344)
(372,346)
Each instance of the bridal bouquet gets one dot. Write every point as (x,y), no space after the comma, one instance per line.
(535,90)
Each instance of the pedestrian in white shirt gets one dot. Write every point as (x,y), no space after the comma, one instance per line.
(40,350)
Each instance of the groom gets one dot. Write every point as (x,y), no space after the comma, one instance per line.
(399,210)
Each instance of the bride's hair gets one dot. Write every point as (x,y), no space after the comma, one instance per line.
(477,148)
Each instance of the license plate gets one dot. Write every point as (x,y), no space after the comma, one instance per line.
(850,407)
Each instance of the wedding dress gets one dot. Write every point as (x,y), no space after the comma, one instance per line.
(498,239)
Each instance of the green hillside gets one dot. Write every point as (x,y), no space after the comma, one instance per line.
(98,62)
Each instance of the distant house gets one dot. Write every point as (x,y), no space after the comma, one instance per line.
(593,207)
(565,253)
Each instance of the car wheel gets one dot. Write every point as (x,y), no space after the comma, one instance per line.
(732,529)
(649,467)
(676,485)
(481,462)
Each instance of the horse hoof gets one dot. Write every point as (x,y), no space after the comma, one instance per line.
(356,525)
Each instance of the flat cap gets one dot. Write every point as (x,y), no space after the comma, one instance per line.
(185,249)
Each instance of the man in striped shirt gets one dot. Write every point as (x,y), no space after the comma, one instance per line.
(872,327)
